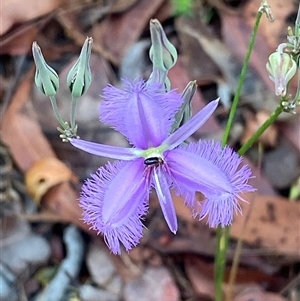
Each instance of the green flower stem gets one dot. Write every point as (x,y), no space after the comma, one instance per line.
(242,151)
(223,234)
(72,115)
(220,260)
(260,131)
(56,113)
(241,81)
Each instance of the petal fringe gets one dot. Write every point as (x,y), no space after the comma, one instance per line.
(114,200)
(121,108)
(214,171)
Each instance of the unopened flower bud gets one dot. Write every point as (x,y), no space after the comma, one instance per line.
(281,68)
(79,78)
(46,79)
(162,53)
(185,111)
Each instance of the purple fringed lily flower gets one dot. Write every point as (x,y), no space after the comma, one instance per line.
(116,197)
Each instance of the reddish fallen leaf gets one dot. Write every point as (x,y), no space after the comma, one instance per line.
(236,35)
(256,295)
(196,61)
(116,6)
(201,276)
(17,11)
(19,40)
(272,223)
(118,32)
(27,144)
(21,132)
(253,122)
(236,32)
(179,78)
(272,32)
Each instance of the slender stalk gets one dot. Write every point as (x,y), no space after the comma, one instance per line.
(220,260)
(260,131)
(241,81)
(234,268)
(72,115)
(56,113)
(223,235)
(242,151)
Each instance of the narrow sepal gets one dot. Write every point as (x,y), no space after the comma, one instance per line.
(162,188)
(113,152)
(190,127)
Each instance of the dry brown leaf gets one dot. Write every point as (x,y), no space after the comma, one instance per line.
(45,174)
(179,78)
(236,32)
(17,11)
(272,223)
(19,40)
(199,65)
(200,275)
(253,122)
(236,36)
(257,295)
(272,32)
(21,132)
(116,6)
(118,32)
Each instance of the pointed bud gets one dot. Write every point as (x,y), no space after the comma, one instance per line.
(185,111)
(281,68)
(46,79)
(162,53)
(79,78)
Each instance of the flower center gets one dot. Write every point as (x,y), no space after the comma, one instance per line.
(153,155)
(153,161)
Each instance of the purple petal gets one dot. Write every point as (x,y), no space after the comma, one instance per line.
(190,127)
(113,152)
(165,199)
(214,171)
(113,200)
(142,113)
(220,210)
(196,172)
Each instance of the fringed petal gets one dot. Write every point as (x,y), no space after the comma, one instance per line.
(143,113)
(114,200)
(214,171)
(219,209)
